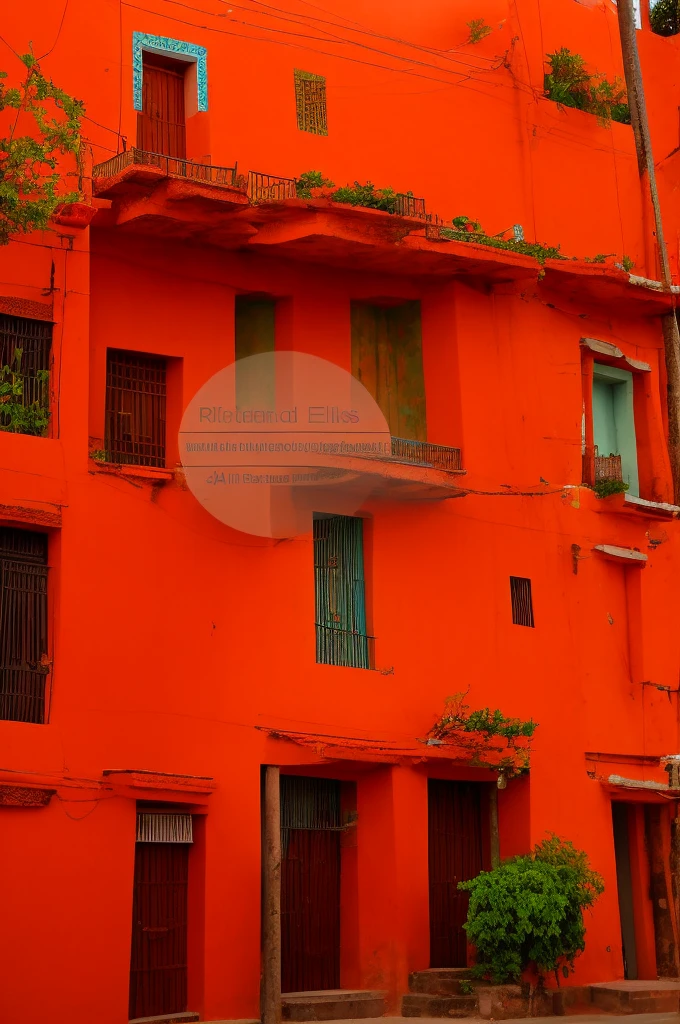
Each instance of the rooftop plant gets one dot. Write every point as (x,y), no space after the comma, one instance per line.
(529,911)
(466,230)
(569,83)
(31,187)
(313,185)
(664,17)
(605,488)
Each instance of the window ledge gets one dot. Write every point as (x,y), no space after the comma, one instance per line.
(624,556)
(631,503)
(126,469)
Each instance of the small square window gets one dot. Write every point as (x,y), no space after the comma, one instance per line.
(310,101)
(522,605)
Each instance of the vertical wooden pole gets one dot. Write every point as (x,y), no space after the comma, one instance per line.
(643,143)
(493,826)
(271,916)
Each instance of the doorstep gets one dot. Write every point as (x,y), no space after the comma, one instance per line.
(626,997)
(332,1004)
(185,1017)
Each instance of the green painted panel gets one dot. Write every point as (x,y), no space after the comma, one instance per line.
(387,358)
(614,419)
(254,334)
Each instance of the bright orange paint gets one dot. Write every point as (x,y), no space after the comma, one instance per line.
(177,643)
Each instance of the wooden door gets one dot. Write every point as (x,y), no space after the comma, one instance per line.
(455,854)
(387,358)
(161,124)
(310,884)
(158,968)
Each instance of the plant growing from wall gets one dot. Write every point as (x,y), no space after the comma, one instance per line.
(570,84)
(478,30)
(664,17)
(30,184)
(529,911)
(17,415)
(488,737)
(467,230)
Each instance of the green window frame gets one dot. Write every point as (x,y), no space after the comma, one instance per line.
(340,592)
(614,420)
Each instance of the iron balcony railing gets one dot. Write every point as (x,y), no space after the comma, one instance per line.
(422,453)
(269,188)
(600,467)
(344,647)
(410,206)
(171,165)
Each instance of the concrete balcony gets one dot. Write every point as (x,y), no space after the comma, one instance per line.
(414,471)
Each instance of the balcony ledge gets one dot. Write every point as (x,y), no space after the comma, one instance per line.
(154,474)
(631,504)
(398,480)
(582,282)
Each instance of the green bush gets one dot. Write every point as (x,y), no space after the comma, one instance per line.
(569,83)
(664,17)
(605,488)
(529,910)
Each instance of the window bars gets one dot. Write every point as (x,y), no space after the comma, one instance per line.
(159,827)
(135,408)
(310,102)
(341,637)
(522,605)
(26,349)
(23,625)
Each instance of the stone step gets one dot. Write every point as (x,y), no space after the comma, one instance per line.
(441,981)
(332,1004)
(417,1004)
(625,997)
(186,1017)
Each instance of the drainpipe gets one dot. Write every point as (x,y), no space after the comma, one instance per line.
(271,916)
(643,146)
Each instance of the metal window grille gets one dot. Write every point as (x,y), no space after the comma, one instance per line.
(26,346)
(522,606)
(23,625)
(135,408)
(310,101)
(159,827)
(341,637)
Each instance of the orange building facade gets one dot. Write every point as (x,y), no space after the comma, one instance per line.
(172,657)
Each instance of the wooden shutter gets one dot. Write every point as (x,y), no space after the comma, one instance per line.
(254,335)
(23,625)
(135,408)
(340,592)
(161,123)
(387,358)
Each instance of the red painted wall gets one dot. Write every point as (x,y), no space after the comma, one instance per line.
(178,642)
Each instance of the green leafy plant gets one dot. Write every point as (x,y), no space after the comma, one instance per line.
(29,179)
(605,488)
(478,30)
(488,738)
(313,185)
(17,415)
(467,230)
(466,988)
(664,17)
(99,455)
(529,911)
(627,264)
(570,84)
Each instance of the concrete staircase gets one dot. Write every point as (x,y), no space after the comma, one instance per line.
(451,992)
(623,997)
(332,1004)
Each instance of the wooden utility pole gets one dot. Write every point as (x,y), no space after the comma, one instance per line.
(643,145)
(271,910)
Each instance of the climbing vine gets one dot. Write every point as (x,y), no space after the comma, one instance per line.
(488,737)
(31,186)
(18,415)
(569,83)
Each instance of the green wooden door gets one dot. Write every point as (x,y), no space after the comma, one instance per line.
(387,358)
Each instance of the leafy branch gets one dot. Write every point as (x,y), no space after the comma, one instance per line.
(18,414)
(29,178)
(478,733)
(569,84)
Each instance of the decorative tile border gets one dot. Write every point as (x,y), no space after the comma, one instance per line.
(161,44)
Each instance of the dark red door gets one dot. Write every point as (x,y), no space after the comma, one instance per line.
(160,125)
(455,855)
(158,968)
(310,884)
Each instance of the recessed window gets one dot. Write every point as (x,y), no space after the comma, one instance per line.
(310,101)
(340,593)
(522,605)
(614,426)
(25,353)
(24,662)
(135,408)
